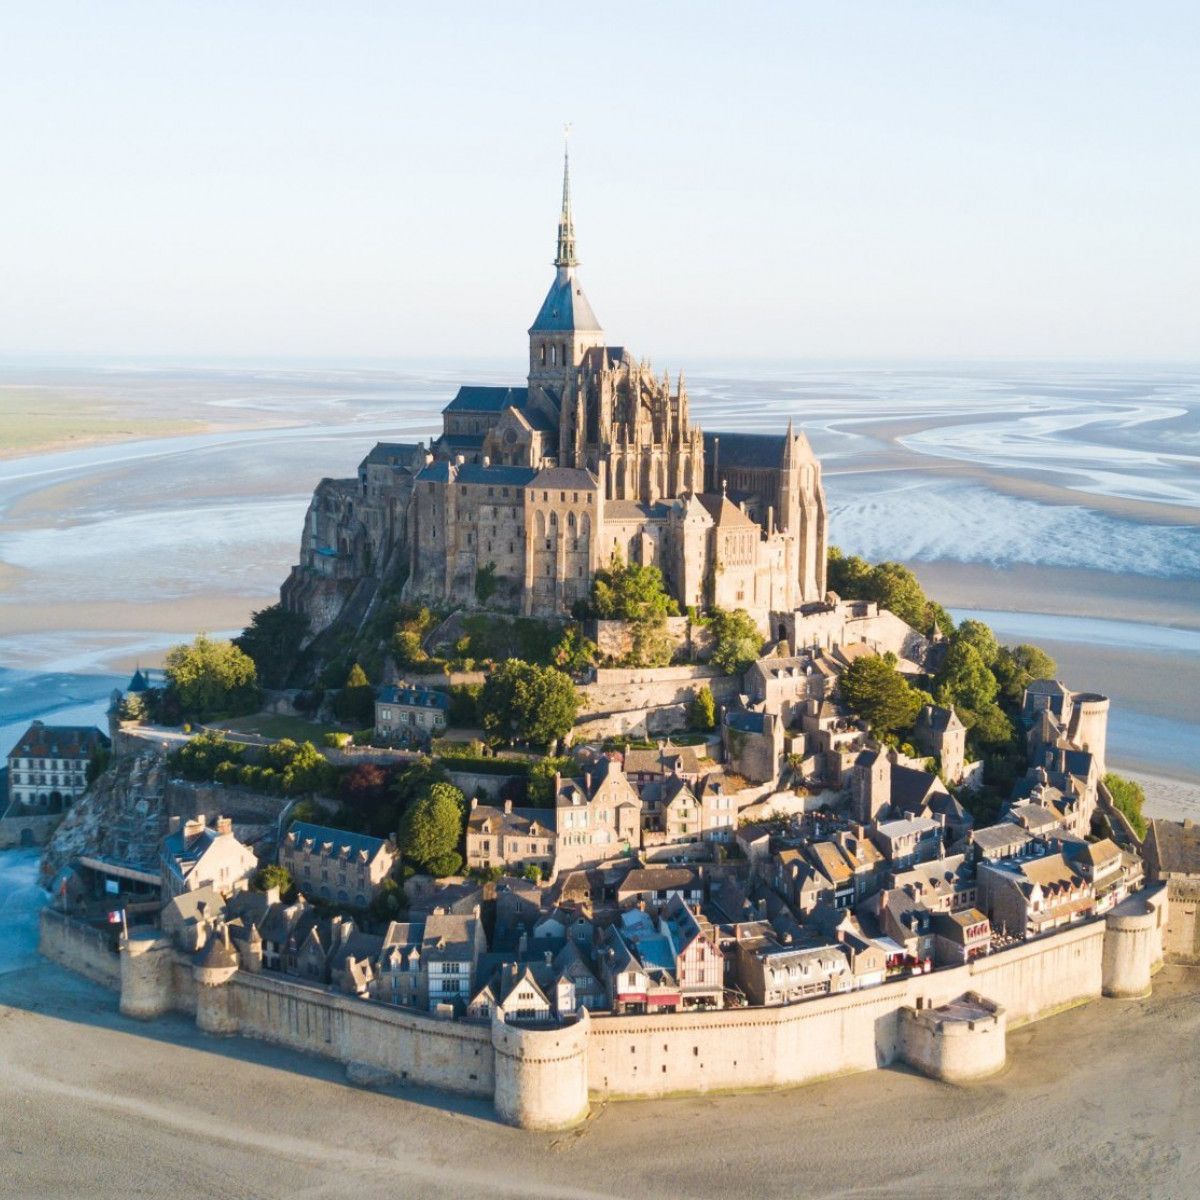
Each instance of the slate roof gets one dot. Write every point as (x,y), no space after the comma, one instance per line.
(414,697)
(565,308)
(390,454)
(1174,847)
(565,477)
(343,843)
(58,741)
(724,512)
(744,449)
(475,398)
(514,476)
(631,510)
(745,722)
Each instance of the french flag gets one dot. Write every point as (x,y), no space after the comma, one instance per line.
(116,916)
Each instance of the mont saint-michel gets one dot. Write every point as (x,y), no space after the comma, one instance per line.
(531,489)
(574,765)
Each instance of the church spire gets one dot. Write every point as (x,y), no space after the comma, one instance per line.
(566,224)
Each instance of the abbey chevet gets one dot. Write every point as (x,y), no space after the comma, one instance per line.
(530,490)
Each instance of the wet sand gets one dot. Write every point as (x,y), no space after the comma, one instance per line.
(1102,1101)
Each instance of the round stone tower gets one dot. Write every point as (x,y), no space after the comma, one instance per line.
(216,1009)
(541,1074)
(1089,725)
(1133,944)
(147,960)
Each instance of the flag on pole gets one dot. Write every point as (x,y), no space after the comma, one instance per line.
(116,916)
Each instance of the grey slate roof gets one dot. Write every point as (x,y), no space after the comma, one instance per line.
(474,398)
(414,697)
(565,477)
(565,308)
(343,842)
(744,449)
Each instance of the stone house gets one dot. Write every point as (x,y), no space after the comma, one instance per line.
(940,733)
(407,709)
(643,766)
(654,887)
(47,768)
(510,837)
(1005,839)
(197,855)
(784,684)
(336,864)
(1172,853)
(450,948)
(909,841)
(781,969)
(1034,896)
(959,937)
(672,812)
(596,817)
(398,975)
(945,884)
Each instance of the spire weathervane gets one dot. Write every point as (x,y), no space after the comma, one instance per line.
(566,225)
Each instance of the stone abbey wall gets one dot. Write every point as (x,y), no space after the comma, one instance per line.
(542,1078)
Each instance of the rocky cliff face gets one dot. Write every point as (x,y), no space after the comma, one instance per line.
(122,816)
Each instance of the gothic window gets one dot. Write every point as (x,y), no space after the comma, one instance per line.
(553,355)
(543,356)
(554,518)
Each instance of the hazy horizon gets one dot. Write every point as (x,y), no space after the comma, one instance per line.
(926,182)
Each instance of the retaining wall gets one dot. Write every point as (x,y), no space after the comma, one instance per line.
(79,947)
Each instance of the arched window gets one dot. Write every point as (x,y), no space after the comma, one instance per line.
(543,354)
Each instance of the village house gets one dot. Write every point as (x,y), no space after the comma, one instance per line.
(940,733)
(596,817)
(510,837)
(675,812)
(959,937)
(643,765)
(405,709)
(1172,853)
(1034,896)
(653,887)
(774,969)
(197,855)
(47,768)
(909,841)
(451,944)
(336,864)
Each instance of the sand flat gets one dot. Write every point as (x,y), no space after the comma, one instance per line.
(162,1110)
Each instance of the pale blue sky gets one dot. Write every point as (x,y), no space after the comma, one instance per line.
(783,181)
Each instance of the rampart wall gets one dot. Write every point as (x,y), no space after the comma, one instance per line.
(541,1078)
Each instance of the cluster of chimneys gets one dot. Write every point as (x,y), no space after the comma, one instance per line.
(194,826)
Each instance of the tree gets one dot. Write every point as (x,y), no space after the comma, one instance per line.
(737,640)
(964,679)
(989,729)
(431,828)
(302,769)
(1017,667)
(528,703)
(463,712)
(273,876)
(878,693)
(540,790)
(133,707)
(199,757)
(891,585)
(366,791)
(980,636)
(212,677)
(631,592)
(703,712)
(273,639)
(356,701)
(574,652)
(1128,798)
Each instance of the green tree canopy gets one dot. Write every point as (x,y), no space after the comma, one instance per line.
(878,693)
(703,712)
(356,701)
(737,640)
(431,828)
(1017,667)
(979,635)
(891,585)
(631,592)
(199,757)
(301,768)
(964,679)
(273,639)
(528,703)
(1128,797)
(212,677)
(273,876)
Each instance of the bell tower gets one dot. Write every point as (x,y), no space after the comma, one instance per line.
(565,327)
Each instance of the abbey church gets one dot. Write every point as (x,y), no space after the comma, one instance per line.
(530,490)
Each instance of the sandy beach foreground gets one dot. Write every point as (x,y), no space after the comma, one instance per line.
(1102,1101)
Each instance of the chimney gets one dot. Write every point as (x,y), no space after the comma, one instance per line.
(474,803)
(194,826)
(487,462)
(173,824)
(225,825)
(508,806)
(549,958)
(587,782)
(460,460)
